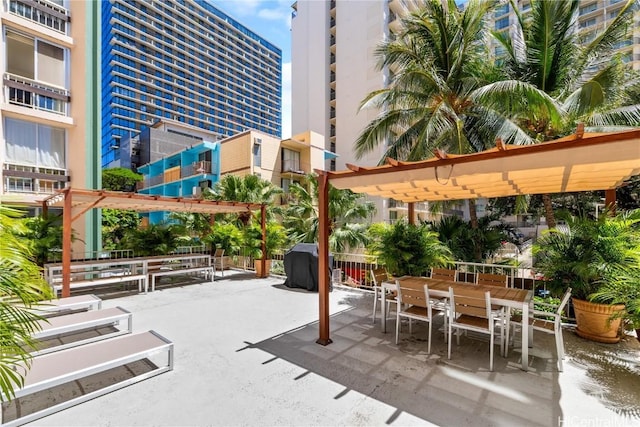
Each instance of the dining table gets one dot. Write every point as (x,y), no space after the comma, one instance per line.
(512,298)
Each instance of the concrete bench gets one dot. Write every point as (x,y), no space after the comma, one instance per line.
(168,271)
(63,368)
(63,326)
(62,305)
(140,278)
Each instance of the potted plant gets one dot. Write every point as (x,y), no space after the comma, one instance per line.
(588,255)
(275,240)
(225,236)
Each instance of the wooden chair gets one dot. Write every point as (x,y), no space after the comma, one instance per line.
(218,261)
(487,279)
(444,274)
(378,276)
(550,322)
(470,309)
(414,303)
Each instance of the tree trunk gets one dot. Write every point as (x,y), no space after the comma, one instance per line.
(548,211)
(473,215)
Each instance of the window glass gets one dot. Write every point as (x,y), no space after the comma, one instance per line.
(20,60)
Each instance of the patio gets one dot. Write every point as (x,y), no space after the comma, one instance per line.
(245,354)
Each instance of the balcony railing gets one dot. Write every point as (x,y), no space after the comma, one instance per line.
(43,12)
(193,169)
(196,168)
(33,179)
(295,167)
(36,95)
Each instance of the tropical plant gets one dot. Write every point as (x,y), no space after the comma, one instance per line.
(249,189)
(473,244)
(347,212)
(588,255)
(275,239)
(21,285)
(623,288)
(225,236)
(587,79)
(44,235)
(155,239)
(116,222)
(408,249)
(439,96)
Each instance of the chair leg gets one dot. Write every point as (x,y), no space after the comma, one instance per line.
(397,327)
(559,348)
(491,351)
(375,302)
(429,339)
(449,340)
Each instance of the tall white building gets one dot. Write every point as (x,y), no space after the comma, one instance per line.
(48,116)
(334,68)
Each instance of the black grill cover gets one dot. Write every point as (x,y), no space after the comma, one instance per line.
(301,267)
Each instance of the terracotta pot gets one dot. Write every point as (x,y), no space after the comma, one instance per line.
(594,321)
(258,266)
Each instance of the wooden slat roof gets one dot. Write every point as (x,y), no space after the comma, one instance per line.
(581,162)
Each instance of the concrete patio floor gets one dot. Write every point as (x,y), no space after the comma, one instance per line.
(245,354)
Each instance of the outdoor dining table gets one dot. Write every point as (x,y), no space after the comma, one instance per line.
(519,299)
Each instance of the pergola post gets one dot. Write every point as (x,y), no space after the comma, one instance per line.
(610,200)
(66,244)
(323,256)
(411,213)
(263,224)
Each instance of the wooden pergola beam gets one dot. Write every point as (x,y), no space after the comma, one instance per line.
(323,257)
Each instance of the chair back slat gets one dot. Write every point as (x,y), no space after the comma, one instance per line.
(411,292)
(471,302)
(443,274)
(499,280)
(378,275)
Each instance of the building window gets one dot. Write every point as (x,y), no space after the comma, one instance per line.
(502,23)
(257,153)
(588,23)
(290,160)
(35,59)
(34,144)
(589,8)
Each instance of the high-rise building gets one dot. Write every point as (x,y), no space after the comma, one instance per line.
(186,61)
(48,138)
(334,69)
(593,16)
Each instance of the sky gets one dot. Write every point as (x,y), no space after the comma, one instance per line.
(270,19)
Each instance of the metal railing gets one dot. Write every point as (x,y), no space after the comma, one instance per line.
(32,94)
(42,12)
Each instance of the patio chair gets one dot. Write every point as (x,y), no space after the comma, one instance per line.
(444,274)
(470,310)
(487,279)
(549,322)
(378,276)
(218,261)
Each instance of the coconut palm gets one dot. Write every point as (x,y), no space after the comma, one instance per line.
(347,211)
(438,98)
(21,285)
(587,79)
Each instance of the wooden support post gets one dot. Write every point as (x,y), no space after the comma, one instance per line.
(412,213)
(66,244)
(263,224)
(610,201)
(323,257)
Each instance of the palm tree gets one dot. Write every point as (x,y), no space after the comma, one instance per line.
(347,211)
(21,285)
(438,97)
(587,79)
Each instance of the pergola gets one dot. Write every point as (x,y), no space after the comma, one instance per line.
(580,162)
(76,202)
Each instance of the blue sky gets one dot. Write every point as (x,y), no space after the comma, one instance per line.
(271,19)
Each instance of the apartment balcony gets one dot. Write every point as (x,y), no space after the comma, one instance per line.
(33,179)
(35,95)
(295,167)
(43,12)
(177,173)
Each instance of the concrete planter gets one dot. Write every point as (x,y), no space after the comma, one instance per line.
(595,322)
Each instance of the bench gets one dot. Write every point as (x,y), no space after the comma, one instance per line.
(168,271)
(62,368)
(78,284)
(81,322)
(62,305)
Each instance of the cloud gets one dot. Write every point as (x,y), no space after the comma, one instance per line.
(286,100)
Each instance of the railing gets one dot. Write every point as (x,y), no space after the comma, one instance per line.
(196,168)
(295,166)
(33,179)
(196,249)
(36,95)
(55,255)
(43,12)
